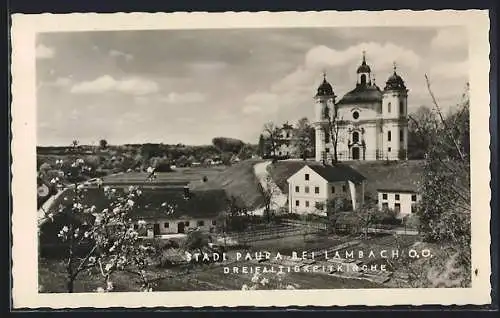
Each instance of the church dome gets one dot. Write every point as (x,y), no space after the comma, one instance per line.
(395,82)
(362,94)
(325,89)
(364,68)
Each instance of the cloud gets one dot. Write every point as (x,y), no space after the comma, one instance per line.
(118,54)
(450,70)
(261,102)
(207,66)
(44,52)
(106,83)
(297,87)
(183,98)
(378,54)
(450,38)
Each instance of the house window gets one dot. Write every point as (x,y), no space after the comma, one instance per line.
(214,222)
(186,223)
(401,135)
(306,189)
(396,197)
(389,135)
(307,204)
(344,188)
(384,196)
(389,107)
(385,206)
(327,137)
(397,208)
(166,225)
(327,150)
(297,203)
(333,189)
(389,149)
(297,189)
(316,190)
(307,176)
(413,208)
(201,223)
(413,198)
(355,115)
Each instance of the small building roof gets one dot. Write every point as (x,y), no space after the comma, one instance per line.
(336,173)
(404,189)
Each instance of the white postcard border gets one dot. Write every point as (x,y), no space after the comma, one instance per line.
(24,225)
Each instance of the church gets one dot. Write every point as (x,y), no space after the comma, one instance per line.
(368,123)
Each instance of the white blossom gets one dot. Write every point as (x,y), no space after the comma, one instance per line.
(100,290)
(93,209)
(150,169)
(106,188)
(244,287)
(130,203)
(65,229)
(264,281)
(116,210)
(141,222)
(108,267)
(109,286)
(80,187)
(53,181)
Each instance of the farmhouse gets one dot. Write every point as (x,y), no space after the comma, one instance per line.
(402,202)
(314,184)
(176,212)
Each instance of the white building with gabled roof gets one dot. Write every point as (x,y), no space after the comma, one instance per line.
(312,186)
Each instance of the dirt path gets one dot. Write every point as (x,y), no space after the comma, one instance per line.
(278,198)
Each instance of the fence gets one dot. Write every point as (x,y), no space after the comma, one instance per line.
(287,228)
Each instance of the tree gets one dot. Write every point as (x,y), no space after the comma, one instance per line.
(103,143)
(333,208)
(444,211)
(368,215)
(272,134)
(196,241)
(98,241)
(332,130)
(269,190)
(262,151)
(225,144)
(423,120)
(303,140)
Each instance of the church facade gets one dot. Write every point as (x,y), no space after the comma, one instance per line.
(368,123)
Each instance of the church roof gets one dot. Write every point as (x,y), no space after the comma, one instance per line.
(325,89)
(395,82)
(362,94)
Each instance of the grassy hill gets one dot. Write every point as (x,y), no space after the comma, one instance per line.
(238,180)
(403,175)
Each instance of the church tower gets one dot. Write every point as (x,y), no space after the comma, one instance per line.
(324,107)
(394,118)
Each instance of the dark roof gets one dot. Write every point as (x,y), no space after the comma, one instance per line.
(403,189)
(325,89)
(201,203)
(337,172)
(395,82)
(208,203)
(362,94)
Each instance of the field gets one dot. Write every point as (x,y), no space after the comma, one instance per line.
(180,176)
(239,181)
(212,276)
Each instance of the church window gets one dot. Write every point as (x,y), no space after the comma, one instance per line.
(389,149)
(297,189)
(355,137)
(401,135)
(355,115)
(389,135)
(327,150)
(316,190)
(363,79)
(401,108)
(307,204)
(307,176)
(389,107)
(297,203)
(306,189)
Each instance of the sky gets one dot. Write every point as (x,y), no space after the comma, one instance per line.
(189,86)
